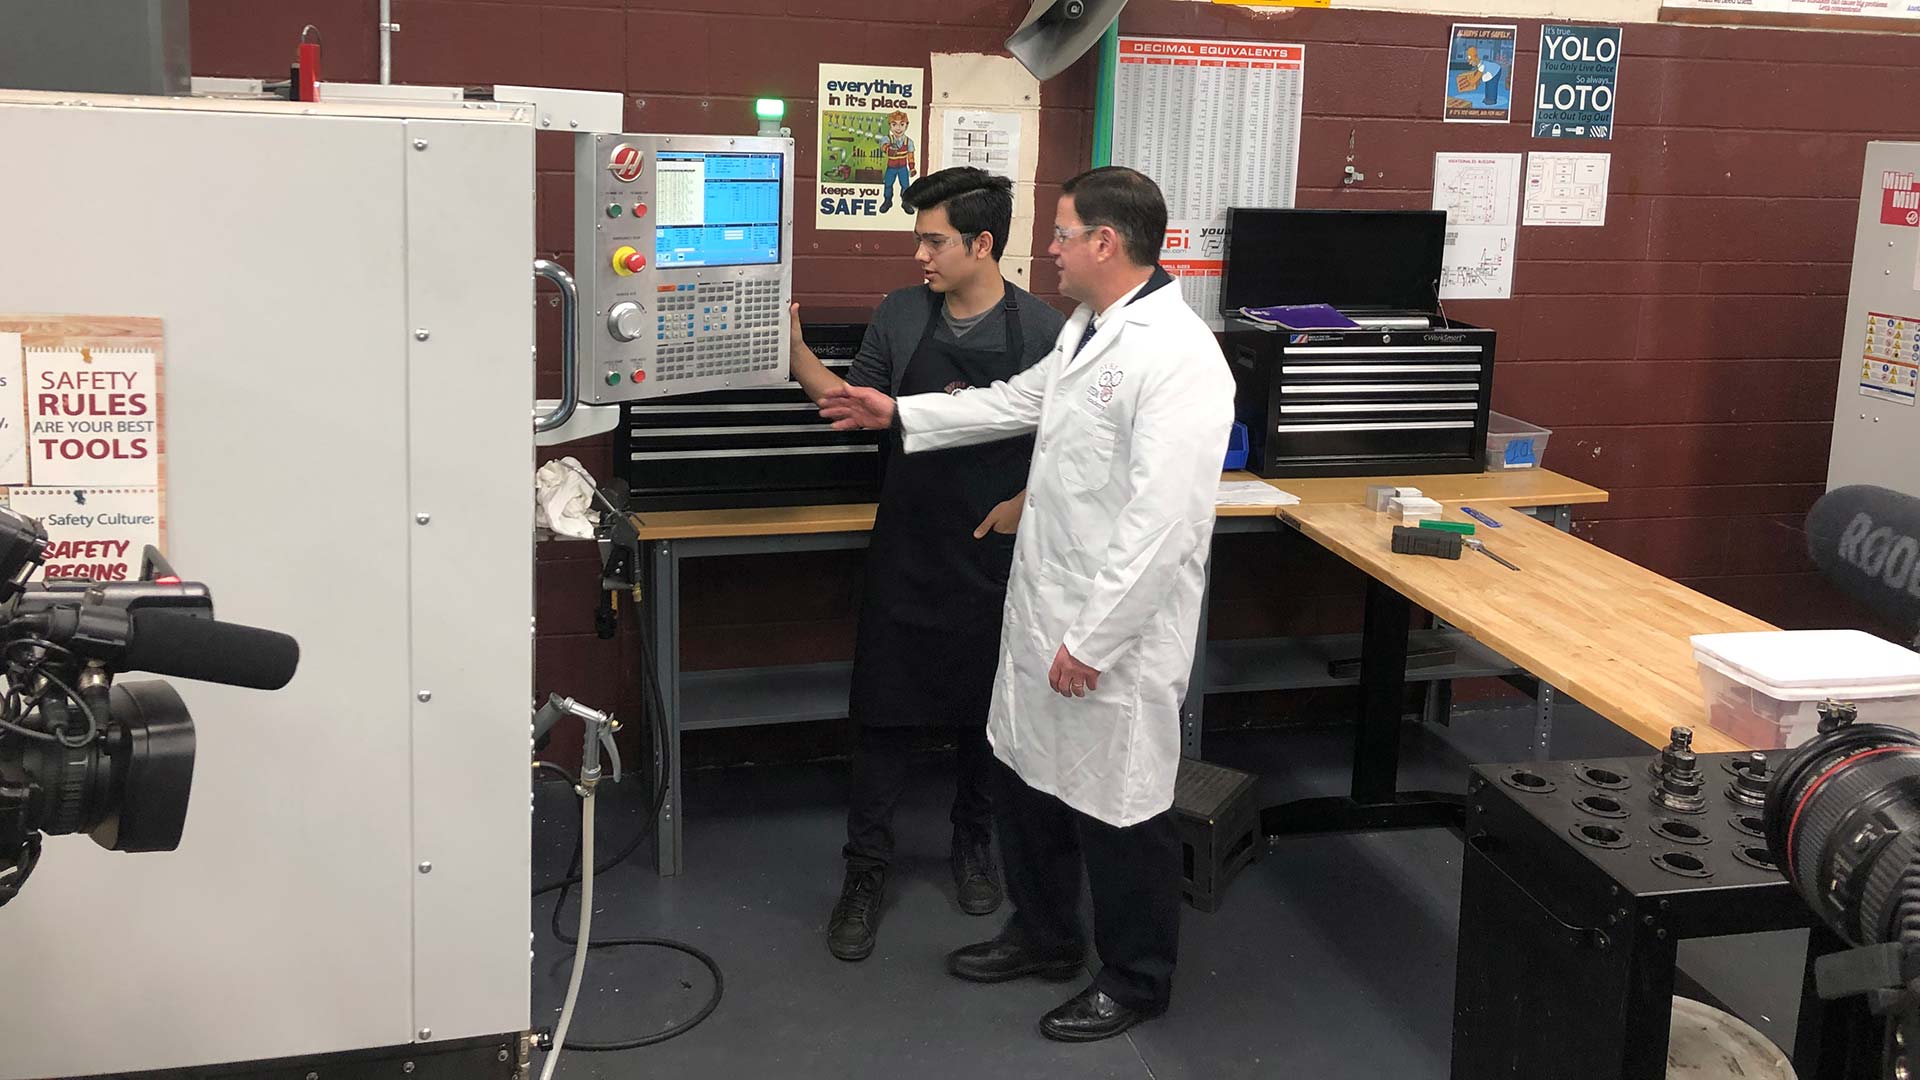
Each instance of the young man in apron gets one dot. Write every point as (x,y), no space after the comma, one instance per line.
(942,543)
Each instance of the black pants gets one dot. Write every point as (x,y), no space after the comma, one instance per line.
(1133,873)
(881,768)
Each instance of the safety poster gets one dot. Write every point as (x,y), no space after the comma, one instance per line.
(82,443)
(869,149)
(1890,370)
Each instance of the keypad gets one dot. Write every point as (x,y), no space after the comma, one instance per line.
(718,328)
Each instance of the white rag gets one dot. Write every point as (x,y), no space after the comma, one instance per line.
(563,499)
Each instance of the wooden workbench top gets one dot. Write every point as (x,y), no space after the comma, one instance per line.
(1531,487)
(1610,633)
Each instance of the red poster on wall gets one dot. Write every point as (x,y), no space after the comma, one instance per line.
(1899,199)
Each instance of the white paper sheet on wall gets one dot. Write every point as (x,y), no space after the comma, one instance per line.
(1481,195)
(95,417)
(981,139)
(1566,189)
(100,534)
(13,412)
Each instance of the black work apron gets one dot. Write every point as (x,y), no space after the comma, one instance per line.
(929,636)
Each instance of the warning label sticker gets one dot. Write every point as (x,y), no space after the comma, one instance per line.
(1890,367)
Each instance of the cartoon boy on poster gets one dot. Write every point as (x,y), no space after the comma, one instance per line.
(899,149)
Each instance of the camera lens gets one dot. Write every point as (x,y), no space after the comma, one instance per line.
(127,788)
(1842,818)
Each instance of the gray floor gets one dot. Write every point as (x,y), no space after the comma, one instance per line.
(1333,957)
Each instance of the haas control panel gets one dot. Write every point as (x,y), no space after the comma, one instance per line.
(684,249)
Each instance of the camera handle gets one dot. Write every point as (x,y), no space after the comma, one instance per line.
(18,866)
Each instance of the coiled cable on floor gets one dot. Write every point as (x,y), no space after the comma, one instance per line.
(581,871)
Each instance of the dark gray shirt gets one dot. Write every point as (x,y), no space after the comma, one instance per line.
(902,317)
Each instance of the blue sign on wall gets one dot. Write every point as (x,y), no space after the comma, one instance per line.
(1579,69)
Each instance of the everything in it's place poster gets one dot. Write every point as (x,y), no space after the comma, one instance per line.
(870,146)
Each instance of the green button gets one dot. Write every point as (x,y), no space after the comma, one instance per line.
(613,209)
(613,378)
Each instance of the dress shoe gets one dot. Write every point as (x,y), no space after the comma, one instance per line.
(850,931)
(1003,959)
(976,880)
(1090,1017)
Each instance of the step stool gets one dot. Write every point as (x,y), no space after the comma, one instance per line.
(1218,816)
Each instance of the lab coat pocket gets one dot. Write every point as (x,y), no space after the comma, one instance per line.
(1086,456)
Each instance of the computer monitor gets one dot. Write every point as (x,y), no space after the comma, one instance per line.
(717,209)
(1351,259)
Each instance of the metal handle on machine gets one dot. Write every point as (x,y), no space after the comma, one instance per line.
(569,343)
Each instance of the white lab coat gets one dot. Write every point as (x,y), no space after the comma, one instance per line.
(1111,553)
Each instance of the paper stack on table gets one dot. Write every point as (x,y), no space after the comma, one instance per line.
(1253,493)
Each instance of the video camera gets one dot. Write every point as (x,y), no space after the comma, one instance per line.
(79,753)
(1842,817)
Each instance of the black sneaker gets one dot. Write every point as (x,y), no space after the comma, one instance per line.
(976,880)
(850,930)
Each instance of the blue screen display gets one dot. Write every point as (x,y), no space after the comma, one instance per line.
(716,209)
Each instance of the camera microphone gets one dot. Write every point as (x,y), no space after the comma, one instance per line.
(169,643)
(1866,540)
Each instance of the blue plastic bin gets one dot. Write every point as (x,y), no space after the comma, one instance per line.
(1236,448)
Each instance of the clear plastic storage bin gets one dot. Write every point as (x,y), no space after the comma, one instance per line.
(1514,444)
(1764,689)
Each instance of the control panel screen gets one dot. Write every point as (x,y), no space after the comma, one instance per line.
(716,209)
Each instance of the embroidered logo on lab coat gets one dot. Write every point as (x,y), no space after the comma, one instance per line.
(1100,390)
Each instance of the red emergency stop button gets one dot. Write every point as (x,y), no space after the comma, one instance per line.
(627,261)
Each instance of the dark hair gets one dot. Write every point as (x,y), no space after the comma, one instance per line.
(976,202)
(1128,203)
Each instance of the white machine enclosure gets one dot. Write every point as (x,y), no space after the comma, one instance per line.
(664,327)
(346,293)
(1876,436)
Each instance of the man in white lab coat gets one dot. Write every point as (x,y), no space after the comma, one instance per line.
(1132,410)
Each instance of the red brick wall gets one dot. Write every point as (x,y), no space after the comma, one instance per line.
(1683,354)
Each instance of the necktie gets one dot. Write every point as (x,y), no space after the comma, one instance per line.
(1092,324)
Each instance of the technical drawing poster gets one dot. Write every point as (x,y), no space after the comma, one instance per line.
(869,147)
(1216,124)
(981,139)
(1479,69)
(1481,195)
(1566,189)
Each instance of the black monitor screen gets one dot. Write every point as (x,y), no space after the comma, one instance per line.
(1347,258)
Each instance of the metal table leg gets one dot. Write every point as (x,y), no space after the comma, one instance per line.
(663,596)
(1543,696)
(1375,802)
(1193,709)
